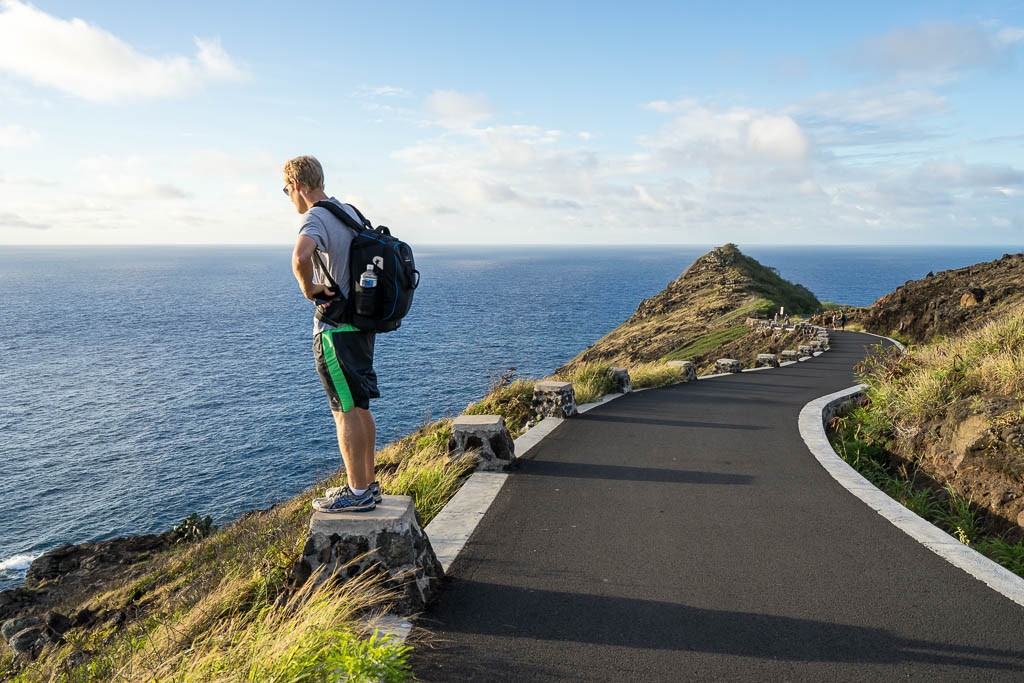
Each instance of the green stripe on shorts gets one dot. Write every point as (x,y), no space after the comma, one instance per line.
(334,367)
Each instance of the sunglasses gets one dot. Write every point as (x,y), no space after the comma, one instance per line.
(287,189)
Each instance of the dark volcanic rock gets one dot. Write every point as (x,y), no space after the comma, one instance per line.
(949,302)
(60,578)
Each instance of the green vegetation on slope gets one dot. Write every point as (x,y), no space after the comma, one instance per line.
(224,608)
(942,431)
(943,506)
(715,293)
(703,345)
(766,282)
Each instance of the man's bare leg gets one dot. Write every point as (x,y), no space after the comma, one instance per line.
(370,429)
(354,442)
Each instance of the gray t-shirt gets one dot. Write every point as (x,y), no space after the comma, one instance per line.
(333,238)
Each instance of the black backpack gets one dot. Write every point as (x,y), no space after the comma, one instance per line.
(381,308)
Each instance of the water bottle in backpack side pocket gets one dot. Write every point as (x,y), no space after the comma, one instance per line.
(366,292)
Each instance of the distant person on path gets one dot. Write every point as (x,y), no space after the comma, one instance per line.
(343,353)
(842,319)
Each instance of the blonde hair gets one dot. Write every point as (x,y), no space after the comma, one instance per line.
(305,171)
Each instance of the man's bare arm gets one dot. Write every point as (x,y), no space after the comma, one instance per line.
(302,267)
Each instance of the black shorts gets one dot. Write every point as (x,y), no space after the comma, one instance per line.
(344,361)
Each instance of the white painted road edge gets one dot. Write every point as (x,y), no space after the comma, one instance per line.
(812,430)
(451,528)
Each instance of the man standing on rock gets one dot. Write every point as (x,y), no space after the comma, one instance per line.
(344,353)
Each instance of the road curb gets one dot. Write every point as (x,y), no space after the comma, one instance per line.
(812,431)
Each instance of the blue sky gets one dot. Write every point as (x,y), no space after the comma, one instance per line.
(525,123)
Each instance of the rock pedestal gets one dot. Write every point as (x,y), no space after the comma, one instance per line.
(488,436)
(688,368)
(728,365)
(790,355)
(620,380)
(388,539)
(767,360)
(553,399)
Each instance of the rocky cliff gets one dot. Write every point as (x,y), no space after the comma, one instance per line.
(953,407)
(949,302)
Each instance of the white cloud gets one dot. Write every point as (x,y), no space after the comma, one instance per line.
(127,178)
(778,138)
(702,137)
(14,135)
(456,110)
(383,91)
(885,103)
(12,220)
(81,59)
(958,174)
(1010,36)
(935,46)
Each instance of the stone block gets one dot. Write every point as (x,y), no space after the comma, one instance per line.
(388,539)
(621,381)
(767,360)
(553,399)
(815,345)
(488,436)
(728,365)
(790,354)
(805,350)
(688,368)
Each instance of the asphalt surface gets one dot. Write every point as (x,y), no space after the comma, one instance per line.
(688,534)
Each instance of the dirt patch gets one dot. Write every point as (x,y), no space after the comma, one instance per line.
(977,447)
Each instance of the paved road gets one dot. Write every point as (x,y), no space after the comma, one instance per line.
(687,534)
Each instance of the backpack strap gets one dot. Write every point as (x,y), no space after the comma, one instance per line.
(344,216)
(325,275)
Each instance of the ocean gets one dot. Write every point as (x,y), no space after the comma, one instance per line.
(141,384)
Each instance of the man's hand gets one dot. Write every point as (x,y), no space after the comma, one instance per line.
(321,295)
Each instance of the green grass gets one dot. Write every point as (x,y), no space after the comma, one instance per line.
(707,343)
(651,375)
(222,607)
(766,282)
(590,381)
(512,399)
(909,390)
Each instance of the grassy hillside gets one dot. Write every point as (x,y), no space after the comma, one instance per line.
(942,430)
(222,606)
(702,309)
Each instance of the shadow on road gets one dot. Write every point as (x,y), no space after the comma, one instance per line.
(624,473)
(544,615)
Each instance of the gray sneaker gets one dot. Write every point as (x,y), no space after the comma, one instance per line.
(336,491)
(345,501)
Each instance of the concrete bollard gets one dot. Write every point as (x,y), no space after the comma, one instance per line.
(767,360)
(790,355)
(688,368)
(553,399)
(728,365)
(388,539)
(621,381)
(486,434)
